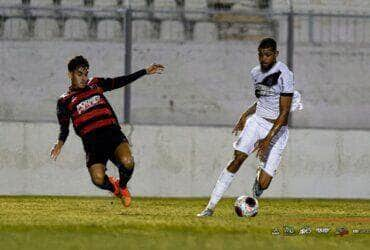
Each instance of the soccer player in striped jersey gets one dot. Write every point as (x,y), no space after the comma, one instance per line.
(96,123)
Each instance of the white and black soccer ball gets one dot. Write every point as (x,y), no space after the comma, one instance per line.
(246,206)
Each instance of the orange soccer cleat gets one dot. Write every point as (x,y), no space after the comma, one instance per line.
(115,184)
(125,197)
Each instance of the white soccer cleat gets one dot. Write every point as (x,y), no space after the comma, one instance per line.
(206,213)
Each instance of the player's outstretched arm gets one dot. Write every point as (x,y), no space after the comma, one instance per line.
(108,84)
(239,126)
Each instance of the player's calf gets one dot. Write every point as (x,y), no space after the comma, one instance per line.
(125,164)
(235,164)
(261,183)
(223,182)
(125,174)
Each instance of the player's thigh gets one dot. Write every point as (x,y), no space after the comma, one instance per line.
(123,154)
(275,154)
(248,137)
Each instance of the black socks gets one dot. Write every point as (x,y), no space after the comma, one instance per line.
(124,175)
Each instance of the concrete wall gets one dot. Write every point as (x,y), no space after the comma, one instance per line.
(354,6)
(186,161)
(204,84)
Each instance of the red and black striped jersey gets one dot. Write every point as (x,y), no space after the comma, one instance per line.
(88,108)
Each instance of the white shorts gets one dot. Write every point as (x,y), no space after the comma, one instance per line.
(256,128)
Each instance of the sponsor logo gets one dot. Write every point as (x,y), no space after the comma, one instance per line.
(262,90)
(322,230)
(85,105)
(289,230)
(361,231)
(341,231)
(305,230)
(275,231)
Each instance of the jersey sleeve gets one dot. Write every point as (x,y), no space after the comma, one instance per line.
(287,83)
(108,84)
(63,119)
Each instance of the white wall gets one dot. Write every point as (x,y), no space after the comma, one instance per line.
(185,162)
(203,84)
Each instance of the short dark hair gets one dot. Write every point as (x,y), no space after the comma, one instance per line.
(267,43)
(77,62)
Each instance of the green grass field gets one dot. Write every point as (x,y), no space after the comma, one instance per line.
(151,223)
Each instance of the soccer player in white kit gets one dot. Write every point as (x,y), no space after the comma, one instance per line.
(263,126)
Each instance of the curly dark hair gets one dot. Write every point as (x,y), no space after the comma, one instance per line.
(267,43)
(77,62)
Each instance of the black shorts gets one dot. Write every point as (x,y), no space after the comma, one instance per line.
(100,145)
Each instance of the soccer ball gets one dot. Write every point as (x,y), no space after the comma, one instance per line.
(246,206)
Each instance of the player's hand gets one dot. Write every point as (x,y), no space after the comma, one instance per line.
(55,151)
(262,147)
(239,126)
(155,69)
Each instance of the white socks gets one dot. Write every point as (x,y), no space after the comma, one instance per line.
(222,184)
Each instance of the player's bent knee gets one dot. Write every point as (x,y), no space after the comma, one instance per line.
(128,162)
(97,179)
(129,165)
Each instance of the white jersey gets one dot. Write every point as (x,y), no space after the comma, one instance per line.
(269,86)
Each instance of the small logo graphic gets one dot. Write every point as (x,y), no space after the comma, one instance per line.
(275,231)
(341,231)
(322,230)
(289,230)
(86,104)
(305,230)
(361,231)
